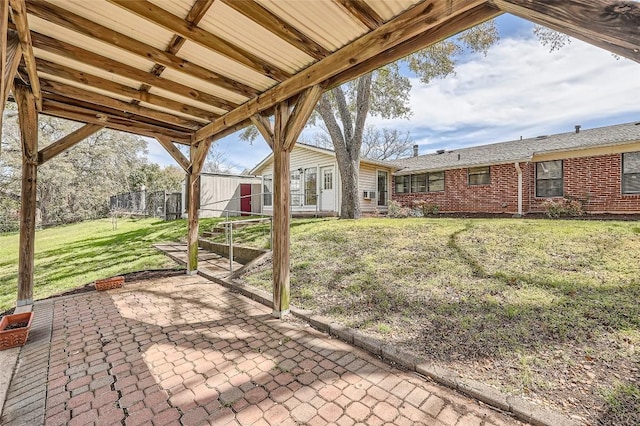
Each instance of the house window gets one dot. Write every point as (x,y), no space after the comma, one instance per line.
(419,183)
(296,188)
(631,173)
(436,182)
(549,179)
(267,189)
(310,187)
(403,184)
(479,175)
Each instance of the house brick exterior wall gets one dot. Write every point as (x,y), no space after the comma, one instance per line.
(596,181)
(500,196)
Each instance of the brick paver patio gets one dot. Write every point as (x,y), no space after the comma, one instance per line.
(183,350)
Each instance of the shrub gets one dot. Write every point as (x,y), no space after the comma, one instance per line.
(427,208)
(563,208)
(396,210)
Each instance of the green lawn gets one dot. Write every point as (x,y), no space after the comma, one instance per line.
(528,305)
(72,255)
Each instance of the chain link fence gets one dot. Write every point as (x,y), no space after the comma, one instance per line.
(167,205)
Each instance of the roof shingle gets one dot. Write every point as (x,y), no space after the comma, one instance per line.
(521,150)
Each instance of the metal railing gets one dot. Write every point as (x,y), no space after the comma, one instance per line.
(229,224)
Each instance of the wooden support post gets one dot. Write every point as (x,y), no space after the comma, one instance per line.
(281,199)
(282,137)
(197,153)
(193,184)
(28,118)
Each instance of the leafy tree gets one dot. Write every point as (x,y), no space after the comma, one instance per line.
(385,93)
(343,111)
(76,184)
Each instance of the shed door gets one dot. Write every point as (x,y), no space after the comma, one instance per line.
(245,201)
(327,191)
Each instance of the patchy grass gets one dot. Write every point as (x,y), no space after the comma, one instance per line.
(72,255)
(537,307)
(623,405)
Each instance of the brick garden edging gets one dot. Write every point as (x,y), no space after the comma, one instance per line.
(519,407)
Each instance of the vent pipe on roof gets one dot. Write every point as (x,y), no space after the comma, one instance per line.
(578,128)
(415,150)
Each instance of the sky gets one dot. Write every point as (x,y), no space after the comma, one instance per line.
(518,89)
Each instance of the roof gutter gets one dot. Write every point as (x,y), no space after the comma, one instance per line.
(408,171)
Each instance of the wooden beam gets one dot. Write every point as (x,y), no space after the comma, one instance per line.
(264,126)
(407,25)
(61,145)
(281,201)
(272,22)
(463,21)
(117,115)
(73,22)
(199,155)
(4,81)
(60,109)
(19,16)
(28,119)
(62,89)
(362,12)
(12,59)
(174,152)
(71,74)
(159,82)
(301,113)
(171,22)
(613,25)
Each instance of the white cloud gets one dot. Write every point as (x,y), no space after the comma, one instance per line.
(520,88)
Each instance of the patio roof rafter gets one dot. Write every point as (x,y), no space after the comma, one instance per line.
(76,23)
(195,15)
(162,18)
(262,16)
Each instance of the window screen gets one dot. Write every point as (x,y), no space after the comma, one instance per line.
(479,175)
(436,181)
(403,184)
(631,173)
(549,179)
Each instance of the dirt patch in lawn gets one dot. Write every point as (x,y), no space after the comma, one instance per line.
(539,308)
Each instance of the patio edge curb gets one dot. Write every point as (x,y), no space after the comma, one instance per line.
(517,406)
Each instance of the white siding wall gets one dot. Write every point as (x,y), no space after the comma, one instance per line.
(215,189)
(303,158)
(368,181)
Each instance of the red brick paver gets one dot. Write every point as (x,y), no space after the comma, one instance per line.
(182,350)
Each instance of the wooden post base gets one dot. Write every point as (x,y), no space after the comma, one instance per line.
(280,314)
(25,302)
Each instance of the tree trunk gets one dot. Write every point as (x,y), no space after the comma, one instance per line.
(349,168)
